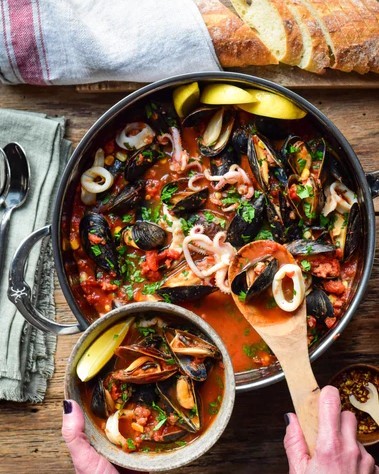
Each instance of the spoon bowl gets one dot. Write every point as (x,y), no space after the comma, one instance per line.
(371,406)
(19,180)
(4,176)
(285,333)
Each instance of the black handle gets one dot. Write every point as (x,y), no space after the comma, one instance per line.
(373,182)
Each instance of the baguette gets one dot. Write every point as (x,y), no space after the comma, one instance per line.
(235,43)
(275,25)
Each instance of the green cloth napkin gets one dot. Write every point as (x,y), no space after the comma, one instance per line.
(27,354)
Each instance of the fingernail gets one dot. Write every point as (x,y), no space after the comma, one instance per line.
(286,419)
(67,407)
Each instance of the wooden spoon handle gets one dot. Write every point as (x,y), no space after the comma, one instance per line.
(305,394)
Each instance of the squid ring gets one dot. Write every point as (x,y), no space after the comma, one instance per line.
(144,136)
(294,272)
(96,180)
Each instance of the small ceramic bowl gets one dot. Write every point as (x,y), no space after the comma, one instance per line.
(357,372)
(164,460)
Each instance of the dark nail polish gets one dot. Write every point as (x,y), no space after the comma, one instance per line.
(67,407)
(286,419)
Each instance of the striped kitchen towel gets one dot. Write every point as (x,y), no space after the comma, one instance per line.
(47,42)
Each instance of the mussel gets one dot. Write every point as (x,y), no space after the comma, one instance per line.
(144,370)
(143,159)
(304,159)
(152,345)
(183,285)
(240,139)
(246,225)
(345,231)
(161,116)
(179,393)
(212,221)
(319,305)
(218,128)
(306,197)
(255,277)
(190,351)
(179,198)
(102,404)
(309,247)
(145,236)
(97,241)
(221,163)
(127,199)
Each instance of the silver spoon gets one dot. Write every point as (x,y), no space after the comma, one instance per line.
(18,189)
(371,406)
(4,176)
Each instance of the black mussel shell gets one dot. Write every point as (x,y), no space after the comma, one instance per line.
(212,221)
(152,345)
(309,247)
(240,139)
(101,401)
(319,305)
(196,117)
(221,163)
(221,141)
(273,128)
(354,231)
(97,241)
(309,197)
(138,163)
(179,294)
(241,230)
(161,116)
(148,236)
(127,199)
(276,222)
(250,284)
(179,198)
(145,394)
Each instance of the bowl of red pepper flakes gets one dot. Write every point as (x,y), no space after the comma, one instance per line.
(353,379)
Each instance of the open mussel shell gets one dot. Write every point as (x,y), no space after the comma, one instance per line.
(198,116)
(161,116)
(145,235)
(127,199)
(143,370)
(179,198)
(180,394)
(243,230)
(263,160)
(152,345)
(221,163)
(217,132)
(138,163)
(306,196)
(319,305)
(97,241)
(240,140)
(275,220)
(102,404)
(190,351)
(346,231)
(309,247)
(183,285)
(255,277)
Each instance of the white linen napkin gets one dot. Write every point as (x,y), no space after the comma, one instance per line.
(83,41)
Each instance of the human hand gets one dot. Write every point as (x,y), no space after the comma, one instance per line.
(85,458)
(337,449)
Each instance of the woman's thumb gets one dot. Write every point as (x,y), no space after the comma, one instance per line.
(86,460)
(295,445)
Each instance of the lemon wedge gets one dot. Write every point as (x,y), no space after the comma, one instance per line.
(185,98)
(224,94)
(101,350)
(272,105)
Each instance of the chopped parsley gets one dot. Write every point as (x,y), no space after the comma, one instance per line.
(214,407)
(305,265)
(161,418)
(304,191)
(180,443)
(308,210)
(96,250)
(150,214)
(130,444)
(324,221)
(246,211)
(128,291)
(151,288)
(167,193)
(293,149)
(242,296)
(264,235)
(145,331)
(126,218)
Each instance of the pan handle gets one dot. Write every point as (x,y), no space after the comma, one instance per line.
(20,293)
(373,183)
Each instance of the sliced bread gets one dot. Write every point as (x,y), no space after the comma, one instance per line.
(276,26)
(235,43)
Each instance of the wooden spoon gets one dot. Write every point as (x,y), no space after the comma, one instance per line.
(371,406)
(286,335)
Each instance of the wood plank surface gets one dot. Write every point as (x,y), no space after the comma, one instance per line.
(30,439)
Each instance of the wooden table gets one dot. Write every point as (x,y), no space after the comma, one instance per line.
(30,439)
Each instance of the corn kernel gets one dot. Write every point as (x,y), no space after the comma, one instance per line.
(121,156)
(147,197)
(109,160)
(137,427)
(75,244)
